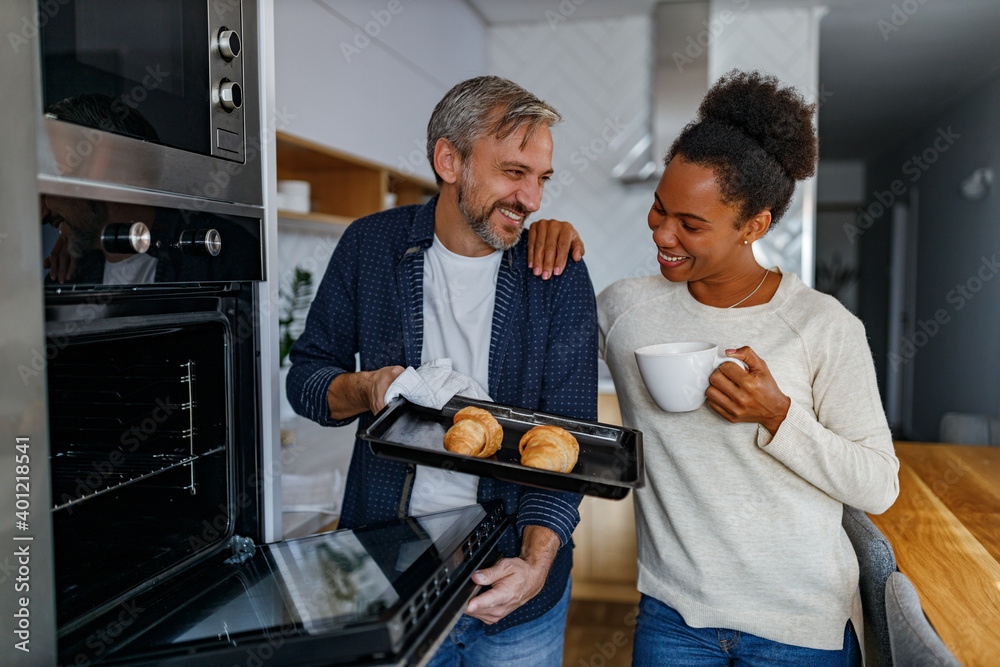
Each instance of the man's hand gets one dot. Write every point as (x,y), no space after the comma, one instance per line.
(515,580)
(353,393)
(550,243)
(60,263)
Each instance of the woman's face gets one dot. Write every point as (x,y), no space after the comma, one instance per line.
(694,232)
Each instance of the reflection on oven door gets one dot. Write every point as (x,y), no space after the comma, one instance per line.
(371,594)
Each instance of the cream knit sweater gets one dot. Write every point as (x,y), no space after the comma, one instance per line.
(737,529)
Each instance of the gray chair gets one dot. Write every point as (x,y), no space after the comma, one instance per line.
(913,639)
(876,562)
(969,429)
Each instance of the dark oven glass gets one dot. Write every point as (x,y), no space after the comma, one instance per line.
(115,244)
(372,591)
(145,57)
(140,451)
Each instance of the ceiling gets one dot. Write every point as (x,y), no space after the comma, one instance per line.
(880,84)
(884,84)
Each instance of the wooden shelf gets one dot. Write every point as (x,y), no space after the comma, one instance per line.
(343,187)
(317,224)
(324,218)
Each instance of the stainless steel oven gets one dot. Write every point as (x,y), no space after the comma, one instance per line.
(155,440)
(135,522)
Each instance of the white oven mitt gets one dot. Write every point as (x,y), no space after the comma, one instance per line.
(433,384)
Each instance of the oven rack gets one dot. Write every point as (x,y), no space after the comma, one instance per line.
(79,475)
(134,391)
(96,383)
(136,369)
(98,400)
(114,429)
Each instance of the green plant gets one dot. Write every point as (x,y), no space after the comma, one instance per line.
(295,300)
(834,275)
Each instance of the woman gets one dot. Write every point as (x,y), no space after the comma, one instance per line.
(742,558)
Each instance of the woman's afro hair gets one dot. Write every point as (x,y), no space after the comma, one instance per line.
(757,137)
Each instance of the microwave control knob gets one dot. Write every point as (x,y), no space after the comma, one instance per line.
(125,238)
(230,95)
(229,44)
(200,242)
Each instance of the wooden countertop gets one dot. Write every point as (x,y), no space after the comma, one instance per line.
(945,531)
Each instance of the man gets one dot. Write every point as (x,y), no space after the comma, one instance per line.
(452,279)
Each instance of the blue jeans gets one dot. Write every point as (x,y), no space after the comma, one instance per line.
(663,638)
(537,643)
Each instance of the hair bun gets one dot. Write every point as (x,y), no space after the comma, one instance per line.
(778,119)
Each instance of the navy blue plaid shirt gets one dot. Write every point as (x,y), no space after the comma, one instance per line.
(543,356)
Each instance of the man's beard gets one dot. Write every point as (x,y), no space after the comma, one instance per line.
(478,214)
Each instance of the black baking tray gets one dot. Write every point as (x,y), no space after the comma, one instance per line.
(610,462)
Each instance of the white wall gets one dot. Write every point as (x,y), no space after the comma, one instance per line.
(367,95)
(598,74)
(782,41)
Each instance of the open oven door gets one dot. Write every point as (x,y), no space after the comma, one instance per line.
(383,594)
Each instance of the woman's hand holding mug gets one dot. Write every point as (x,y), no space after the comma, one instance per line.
(750,395)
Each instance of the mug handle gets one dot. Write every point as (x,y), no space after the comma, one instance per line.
(721,360)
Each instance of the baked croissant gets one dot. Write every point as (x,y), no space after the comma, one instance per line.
(550,448)
(475,433)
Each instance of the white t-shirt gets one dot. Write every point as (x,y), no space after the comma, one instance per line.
(459,295)
(137,269)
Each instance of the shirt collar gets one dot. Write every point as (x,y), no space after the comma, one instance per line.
(422,231)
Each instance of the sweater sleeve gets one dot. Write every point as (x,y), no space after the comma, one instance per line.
(329,341)
(569,388)
(846,449)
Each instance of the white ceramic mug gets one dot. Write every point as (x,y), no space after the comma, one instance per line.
(676,374)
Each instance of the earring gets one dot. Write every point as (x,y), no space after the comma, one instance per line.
(744,241)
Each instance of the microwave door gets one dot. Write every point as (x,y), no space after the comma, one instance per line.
(377,595)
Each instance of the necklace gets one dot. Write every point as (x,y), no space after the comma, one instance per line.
(766,272)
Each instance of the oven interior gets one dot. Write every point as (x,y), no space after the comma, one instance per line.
(141,453)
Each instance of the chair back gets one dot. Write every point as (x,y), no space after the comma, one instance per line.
(912,637)
(969,429)
(876,562)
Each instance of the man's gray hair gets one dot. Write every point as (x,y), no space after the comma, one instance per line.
(483,106)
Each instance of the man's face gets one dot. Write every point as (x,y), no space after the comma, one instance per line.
(501,184)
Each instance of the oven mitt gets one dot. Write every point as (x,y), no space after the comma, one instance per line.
(433,384)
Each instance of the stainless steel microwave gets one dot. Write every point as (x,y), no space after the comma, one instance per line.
(156,94)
